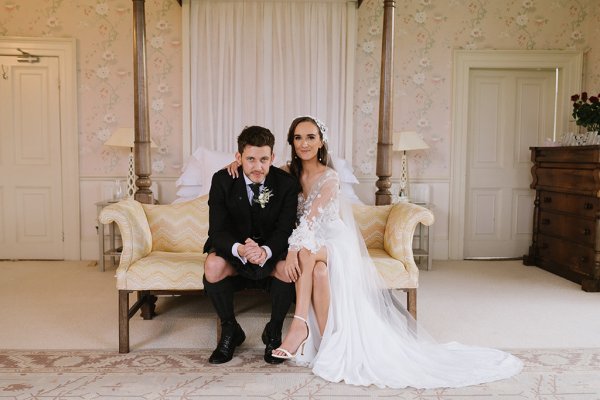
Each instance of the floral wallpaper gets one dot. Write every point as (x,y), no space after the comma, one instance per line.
(103,29)
(426,32)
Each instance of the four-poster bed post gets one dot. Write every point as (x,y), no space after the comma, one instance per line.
(142,132)
(143,162)
(384,137)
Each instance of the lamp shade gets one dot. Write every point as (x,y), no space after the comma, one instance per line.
(408,140)
(124,137)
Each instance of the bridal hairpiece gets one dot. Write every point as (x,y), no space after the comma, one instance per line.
(322,127)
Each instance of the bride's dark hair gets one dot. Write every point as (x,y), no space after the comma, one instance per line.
(322,154)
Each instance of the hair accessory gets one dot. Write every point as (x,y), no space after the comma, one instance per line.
(322,127)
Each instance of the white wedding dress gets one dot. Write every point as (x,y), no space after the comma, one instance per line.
(370,338)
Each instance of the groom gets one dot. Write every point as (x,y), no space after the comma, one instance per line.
(250,220)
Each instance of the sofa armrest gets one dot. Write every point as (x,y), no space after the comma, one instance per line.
(135,231)
(399,231)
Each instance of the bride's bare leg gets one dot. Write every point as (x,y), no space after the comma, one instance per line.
(320,295)
(304,286)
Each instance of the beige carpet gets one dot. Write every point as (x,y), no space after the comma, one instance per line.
(503,304)
(59,335)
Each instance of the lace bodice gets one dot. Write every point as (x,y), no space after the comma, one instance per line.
(320,207)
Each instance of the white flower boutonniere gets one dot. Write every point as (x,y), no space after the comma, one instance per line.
(264,197)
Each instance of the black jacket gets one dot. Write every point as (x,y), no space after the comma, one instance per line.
(230,219)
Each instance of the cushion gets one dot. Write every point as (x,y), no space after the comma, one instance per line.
(189,191)
(164,271)
(192,172)
(371,221)
(199,169)
(197,174)
(180,227)
(393,271)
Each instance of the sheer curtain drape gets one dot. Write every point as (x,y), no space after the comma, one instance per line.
(265,62)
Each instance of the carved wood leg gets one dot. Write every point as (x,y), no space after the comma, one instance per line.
(411,300)
(123,321)
(148,305)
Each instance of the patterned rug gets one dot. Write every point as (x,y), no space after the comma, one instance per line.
(178,374)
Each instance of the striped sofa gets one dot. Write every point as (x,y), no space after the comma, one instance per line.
(162,250)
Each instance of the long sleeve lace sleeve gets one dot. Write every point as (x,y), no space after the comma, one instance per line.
(320,206)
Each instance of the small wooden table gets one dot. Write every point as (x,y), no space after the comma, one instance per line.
(112,251)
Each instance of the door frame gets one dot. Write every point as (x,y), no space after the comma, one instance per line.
(570,64)
(65,49)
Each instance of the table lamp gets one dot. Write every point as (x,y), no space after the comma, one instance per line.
(124,137)
(406,141)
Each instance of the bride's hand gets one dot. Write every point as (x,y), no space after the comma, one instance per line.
(292,269)
(232,169)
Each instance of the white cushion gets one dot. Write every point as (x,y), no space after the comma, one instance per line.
(189,191)
(198,171)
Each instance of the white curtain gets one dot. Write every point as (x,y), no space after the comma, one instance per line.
(261,62)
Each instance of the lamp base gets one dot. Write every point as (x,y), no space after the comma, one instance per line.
(403,195)
(131,189)
(403,199)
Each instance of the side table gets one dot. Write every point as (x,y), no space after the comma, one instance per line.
(112,251)
(422,242)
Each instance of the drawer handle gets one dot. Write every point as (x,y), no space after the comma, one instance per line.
(583,259)
(588,206)
(545,221)
(547,199)
(587,232)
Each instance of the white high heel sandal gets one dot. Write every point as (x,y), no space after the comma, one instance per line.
(287,355)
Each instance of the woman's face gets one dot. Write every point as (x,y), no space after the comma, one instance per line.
(307,141)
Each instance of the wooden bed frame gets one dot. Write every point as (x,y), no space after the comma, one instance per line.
(143,160)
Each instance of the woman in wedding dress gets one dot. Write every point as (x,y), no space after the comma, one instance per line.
(347,326)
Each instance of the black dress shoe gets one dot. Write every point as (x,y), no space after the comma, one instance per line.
(272,338)
(232,336)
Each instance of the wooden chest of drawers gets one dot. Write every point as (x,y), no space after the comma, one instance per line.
(566,220)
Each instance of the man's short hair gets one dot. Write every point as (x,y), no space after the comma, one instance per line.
(255,136)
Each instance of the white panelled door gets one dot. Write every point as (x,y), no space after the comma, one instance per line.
(30,160)
(509,111)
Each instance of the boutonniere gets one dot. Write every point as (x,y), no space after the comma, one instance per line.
(264,197)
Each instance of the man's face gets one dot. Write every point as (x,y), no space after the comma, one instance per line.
(256,162)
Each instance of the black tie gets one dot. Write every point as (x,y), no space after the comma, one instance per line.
(256,191)
(255,212)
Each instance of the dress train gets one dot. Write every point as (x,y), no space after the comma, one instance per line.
(370,339)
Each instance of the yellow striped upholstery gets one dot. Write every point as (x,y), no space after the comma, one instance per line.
(388,233)
(179,227)
(135,232)
(162,244)
(161,270)
(393,271)
(399,231)
(371,221)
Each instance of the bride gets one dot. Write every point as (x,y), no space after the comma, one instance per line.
(347,326)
